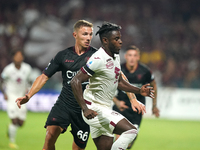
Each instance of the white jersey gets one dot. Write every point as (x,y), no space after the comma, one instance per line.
(16,80)
(104,72)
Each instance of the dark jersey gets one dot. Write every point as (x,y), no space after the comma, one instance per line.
(69,63)
(141,76)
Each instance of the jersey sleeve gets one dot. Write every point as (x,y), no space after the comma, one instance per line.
(4,74)
(54,65)
(149,76)
(92,65)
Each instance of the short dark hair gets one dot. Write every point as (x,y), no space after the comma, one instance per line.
(82,23)
(14,51)
(105,28)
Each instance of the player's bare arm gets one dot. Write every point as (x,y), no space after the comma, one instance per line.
(76,84)
(155,109)
(120,104)
(145,90)
(37,85)
(126,86)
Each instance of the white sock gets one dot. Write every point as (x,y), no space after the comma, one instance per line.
(123,141)
(12,130)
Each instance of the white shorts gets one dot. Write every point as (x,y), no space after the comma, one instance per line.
(105,122)
(13,110)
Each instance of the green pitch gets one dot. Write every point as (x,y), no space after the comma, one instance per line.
(155,134)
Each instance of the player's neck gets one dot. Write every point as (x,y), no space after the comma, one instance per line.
(132,69)
(18,66)
(80,50)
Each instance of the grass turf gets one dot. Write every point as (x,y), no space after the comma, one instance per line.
(155,134)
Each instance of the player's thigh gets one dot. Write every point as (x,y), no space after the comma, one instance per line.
(80,129)
(59,116)
(105,122)
(122,126)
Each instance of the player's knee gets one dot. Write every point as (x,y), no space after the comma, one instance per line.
(130,134)
(52,135)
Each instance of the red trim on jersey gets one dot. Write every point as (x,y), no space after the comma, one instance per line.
(113,124)
(87,102)
(83,70)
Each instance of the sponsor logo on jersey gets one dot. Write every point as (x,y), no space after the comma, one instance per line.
(110,65)
(96,58)
(67,60)
(70,74)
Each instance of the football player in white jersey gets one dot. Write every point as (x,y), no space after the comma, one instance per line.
(104,74)
(15,79)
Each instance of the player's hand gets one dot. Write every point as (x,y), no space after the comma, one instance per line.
(156,111)
(121,105)
(22,100)
(5,96)
(137,106)
(147,91)
(89,113)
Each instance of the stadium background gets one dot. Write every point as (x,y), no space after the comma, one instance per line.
(167,33)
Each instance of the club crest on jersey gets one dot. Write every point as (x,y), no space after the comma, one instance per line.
(110,65)
(139,76)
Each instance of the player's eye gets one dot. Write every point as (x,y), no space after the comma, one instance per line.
(117,38)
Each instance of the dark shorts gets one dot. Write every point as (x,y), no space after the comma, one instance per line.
(63,117)
(132,116)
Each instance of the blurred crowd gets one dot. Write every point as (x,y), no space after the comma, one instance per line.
(167,32)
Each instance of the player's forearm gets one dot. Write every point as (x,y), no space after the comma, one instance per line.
(78,92)
(37,85)
(131,96)
(115,100)
(153,84)
(125,86)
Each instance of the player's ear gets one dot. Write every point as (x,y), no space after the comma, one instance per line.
(74,34)
(105,40)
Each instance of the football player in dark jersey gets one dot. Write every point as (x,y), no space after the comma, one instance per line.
(137,74)
(66,110)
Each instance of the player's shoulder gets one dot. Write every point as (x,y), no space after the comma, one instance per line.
(26,66)
(66,50)
(9,66)
(143,66)
(99,54)
(93,49)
